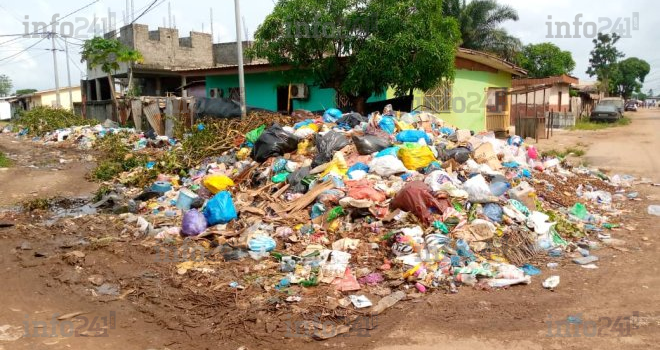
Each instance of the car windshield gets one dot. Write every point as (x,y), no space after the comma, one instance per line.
(611,102)
(605,108)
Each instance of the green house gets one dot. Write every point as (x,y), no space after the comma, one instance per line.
(475,99)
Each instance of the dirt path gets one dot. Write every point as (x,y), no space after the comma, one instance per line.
(41,279)
(41,172)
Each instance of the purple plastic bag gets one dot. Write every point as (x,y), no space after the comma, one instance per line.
(193,223)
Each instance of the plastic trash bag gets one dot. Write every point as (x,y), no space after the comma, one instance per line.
(193,223)
(460,154)
(416,157)
(413,136)
(253,135)
(387,124)
(295,180)
(274,141)
(216,183)
(220,209)
(416,197)
(331,115)
(478,190)
(327,145)
(493,212)
(352,120)
(357,171)
(369,144)
(389,151)
(436,178)
(387,166)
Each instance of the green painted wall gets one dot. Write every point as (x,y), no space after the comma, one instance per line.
(261,91)
(469,96)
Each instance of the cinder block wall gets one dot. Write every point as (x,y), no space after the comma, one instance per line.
(226,53)
(163,48)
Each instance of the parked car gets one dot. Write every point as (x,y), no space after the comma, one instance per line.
(615,101)
(606,111)
(630,106)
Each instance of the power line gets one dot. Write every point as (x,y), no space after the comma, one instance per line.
(27,48)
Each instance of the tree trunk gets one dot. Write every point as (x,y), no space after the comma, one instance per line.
(359,104)
(115,104)
(130,80)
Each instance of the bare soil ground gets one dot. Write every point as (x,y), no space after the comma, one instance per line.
(155,308)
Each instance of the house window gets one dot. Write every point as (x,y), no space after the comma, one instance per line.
(342,101)
(438,99)
(497,100)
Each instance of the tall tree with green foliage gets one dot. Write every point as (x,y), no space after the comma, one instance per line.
(604,58)
(108,54)
(480,25)
(629,76)
(545,60)
(25,91)
(361,47)
(5,85)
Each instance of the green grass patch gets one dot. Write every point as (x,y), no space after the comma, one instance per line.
(591,125)
(5,162)
(574,151)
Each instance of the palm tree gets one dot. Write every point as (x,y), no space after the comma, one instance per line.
(479,22)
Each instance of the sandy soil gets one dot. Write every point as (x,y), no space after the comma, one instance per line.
(49,279)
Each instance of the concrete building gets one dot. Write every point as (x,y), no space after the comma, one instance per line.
(46,98)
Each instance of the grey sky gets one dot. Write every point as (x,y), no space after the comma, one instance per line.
(34,68)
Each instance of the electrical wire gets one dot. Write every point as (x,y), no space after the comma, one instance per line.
(20,52)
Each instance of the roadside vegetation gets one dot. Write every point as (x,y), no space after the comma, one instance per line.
(573,151)
(5,162)
(590,125)
(41,120)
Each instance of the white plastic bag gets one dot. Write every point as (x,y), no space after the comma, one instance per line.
(477,189)
(387,166)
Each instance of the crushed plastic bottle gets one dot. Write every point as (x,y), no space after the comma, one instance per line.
(654,210)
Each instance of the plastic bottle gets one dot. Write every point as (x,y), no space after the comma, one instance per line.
(387,302)
(498,188)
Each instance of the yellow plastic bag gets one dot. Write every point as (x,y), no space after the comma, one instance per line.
(337,166)
(243,153)
(417,157)
(312,126)
(401,125)
(304,147)
(216,183)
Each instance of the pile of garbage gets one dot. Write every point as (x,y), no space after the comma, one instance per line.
(369,206)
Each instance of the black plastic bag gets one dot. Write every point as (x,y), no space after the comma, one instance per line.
(369,144)
(295,180)
(352,119)
(460,154)
(327,145)
(274,141)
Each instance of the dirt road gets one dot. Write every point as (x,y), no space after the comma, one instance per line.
(40,279)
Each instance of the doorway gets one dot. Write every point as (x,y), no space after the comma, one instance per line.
(283,99)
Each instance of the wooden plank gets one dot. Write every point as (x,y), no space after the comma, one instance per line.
(136,112)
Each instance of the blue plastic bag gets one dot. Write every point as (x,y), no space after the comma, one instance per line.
(493,212)
(359,166)
(331,115)
(387,124)
(530,270)
(389,151)
(303,123)
(413,136)
(220,209)
(447,131)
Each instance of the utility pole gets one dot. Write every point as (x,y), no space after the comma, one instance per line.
(239,49)
(68,73)
(57,79)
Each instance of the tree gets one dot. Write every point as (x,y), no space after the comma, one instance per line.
(5,85)
(629,76)
(361,47)
(603,60)
(650,93)
(545,60)
(24,91)
(107,54)
(479,22)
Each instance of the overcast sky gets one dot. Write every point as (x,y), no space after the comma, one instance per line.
(34,67)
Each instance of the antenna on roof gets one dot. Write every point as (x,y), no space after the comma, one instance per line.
(211,15)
